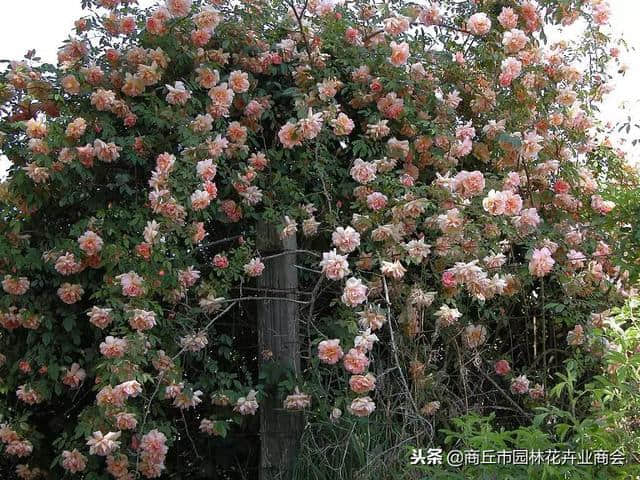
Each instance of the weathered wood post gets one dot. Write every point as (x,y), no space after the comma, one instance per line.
(278,330)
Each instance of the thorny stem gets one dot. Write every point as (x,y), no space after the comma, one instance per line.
(511,400)
(298,16)
(395,349)
(161,377)
(415,24)
(281,299)
(290,252)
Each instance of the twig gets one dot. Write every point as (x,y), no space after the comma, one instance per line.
(395,348)
(299,20)
(290,252)
(240,299)
(186,429)
(511,400)
(222,240)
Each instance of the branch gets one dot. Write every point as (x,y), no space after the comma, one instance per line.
(505,394)
(395,349)
(240,299)
(415,24)
(290,252)
(299,20)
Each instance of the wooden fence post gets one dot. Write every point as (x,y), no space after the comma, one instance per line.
(278,336)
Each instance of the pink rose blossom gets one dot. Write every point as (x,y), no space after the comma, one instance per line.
(362,407)
(247,405)
(376,201)
(254,268)
(479,24)
(362,384)
(131,284)
(100,317)
(113,347)
(73,461)
(399,53)
(355,292)
(502,367)
(103,445)
(520,385)
(70,293)
(329,351)
(355,361)
(541,262)
(334,266)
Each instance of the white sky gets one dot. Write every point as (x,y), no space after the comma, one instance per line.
(44,24)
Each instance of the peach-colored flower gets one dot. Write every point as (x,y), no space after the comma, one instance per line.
(520,385)
(100,317)
(15,285)
(70,293)
(494,203)
(329,351)
(106,152)
(514,40)
(376,201)
(113,347)
(479,24)
(334,266)
(297,400)
(194,342)
(355,361)
(393,269)
(207,78)
(103,445)
(178,94)
(475,335)
(355,292)
(576,336)
(502,367)
(28,395)
(239,81)
(447,316)
(200,37)
(342,125)
(600,205)
(289,136)
(73,461)
(179,8)
(36,128)
(362,384)
(430,15)
(19,448)
(131,284)
(71,85)
(74,376)
(541,262)
(208,18)
(254,268)
(142,320)
(508,18)
(468,184)
(362,407)
(346,239)
(247,405)
(363,172)
(399,53)
(90,243)
(103,99)
(67,265)
(76,129)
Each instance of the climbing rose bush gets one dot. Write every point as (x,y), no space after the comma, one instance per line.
(438,163)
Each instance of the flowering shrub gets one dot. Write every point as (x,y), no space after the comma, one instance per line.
(438,163)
